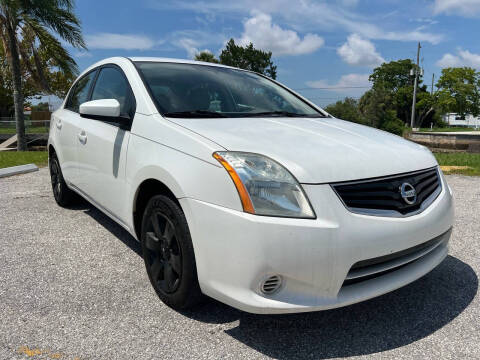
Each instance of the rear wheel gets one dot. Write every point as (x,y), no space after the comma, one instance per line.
(168,253)
(62,194)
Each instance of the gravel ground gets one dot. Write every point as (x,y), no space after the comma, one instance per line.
(73,286)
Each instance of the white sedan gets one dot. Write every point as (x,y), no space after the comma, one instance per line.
(242,190)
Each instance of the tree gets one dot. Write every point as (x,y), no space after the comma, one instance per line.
(459,91)
(56,81)
(377,106)
(426,109)
(373,105)
(6,98)
(33,19)
(206,56)
(394,78)
(248,58)
(41,106)
(347,109)
(393,75)
(29,87)
(391,123)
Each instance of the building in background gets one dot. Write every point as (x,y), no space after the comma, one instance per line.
(454,119)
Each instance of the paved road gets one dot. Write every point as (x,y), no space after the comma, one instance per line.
(72,286)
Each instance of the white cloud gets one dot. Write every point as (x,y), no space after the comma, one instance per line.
(359,51)
(353,84)
(425,20)
(305,16)
(80,54)
(119,41)
(195,41)
(463,58)
(414,35)
(460,7)
(265,35)
(190,45)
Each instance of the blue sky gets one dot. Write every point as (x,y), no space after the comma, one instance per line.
(316,44)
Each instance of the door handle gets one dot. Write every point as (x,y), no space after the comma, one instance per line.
(82,137)
(58,123)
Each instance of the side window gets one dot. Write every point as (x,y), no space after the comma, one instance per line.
(80,92)
(112,84)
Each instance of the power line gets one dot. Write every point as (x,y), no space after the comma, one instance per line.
(343,87)
(333,88)
(332,98)
(324,97)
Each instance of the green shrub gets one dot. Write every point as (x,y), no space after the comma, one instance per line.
(392,124)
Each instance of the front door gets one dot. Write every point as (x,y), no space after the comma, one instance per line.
(102,152)
(67,127)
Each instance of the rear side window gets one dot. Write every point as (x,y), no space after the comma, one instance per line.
(112,84)
(80,92)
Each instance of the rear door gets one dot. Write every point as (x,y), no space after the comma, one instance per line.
(67,127)
(102,153)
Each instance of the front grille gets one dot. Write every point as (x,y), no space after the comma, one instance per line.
(383,196)
(371,268)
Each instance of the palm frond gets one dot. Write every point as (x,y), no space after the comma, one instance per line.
(56,15)
(52,46)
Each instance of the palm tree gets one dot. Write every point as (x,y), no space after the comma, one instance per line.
(29,21)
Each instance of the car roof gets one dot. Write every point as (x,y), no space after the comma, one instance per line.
(178,61)
(121,60)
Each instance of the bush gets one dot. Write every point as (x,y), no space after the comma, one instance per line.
(392,124)
(394,127)
(438,121)
(346,109)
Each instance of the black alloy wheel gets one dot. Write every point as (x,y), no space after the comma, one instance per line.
(62,194)
(168,253)
(55,178)
(164,255)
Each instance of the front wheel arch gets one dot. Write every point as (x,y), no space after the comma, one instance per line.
(51,151)
(145,191)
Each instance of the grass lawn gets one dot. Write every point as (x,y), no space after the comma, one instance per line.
(447,129)
(28,130)
(453,163)
(14,158)
(465,163)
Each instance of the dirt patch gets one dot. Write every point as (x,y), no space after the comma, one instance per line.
(447,168)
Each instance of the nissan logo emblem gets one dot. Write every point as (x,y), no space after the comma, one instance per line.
(408,193)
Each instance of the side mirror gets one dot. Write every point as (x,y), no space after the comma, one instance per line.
(104,108)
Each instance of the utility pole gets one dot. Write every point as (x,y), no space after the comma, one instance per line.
(433,80)
(417,72)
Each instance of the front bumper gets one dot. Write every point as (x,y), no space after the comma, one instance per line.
(235,251)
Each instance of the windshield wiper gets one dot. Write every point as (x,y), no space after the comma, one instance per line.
(195,114)
(280,113)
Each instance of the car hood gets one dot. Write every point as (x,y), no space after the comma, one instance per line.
(316,150)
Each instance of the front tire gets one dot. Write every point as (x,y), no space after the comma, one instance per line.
(62,194)
(168,254)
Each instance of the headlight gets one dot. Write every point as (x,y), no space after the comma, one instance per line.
(265,187)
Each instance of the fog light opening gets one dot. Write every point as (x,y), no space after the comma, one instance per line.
(271,285)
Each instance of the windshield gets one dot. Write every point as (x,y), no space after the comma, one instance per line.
(189,90)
